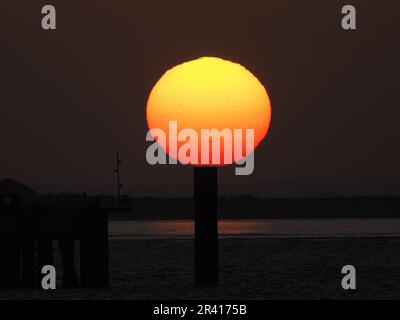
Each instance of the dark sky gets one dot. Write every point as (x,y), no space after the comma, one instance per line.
(70,97)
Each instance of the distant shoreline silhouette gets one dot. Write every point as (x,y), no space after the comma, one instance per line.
(237,207)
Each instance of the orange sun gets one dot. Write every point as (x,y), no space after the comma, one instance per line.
(209,93)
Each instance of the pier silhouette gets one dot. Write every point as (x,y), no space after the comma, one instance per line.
(28,235)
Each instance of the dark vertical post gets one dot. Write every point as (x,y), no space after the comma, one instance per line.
(206,225)
(44,246)
(10,258)
(67,251)
(119,185)
(28,263)
(94,250)
(27,249)
(44,251)
(10,263)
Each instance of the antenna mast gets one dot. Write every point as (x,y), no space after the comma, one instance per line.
(119,185)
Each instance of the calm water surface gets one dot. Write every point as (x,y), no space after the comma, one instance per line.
(258,228)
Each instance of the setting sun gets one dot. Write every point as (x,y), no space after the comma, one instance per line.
(209,93)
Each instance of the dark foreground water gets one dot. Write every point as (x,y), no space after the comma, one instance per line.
(251,268)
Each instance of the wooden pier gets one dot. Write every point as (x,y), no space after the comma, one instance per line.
(28,238)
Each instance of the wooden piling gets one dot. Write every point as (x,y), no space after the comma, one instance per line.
(206,225)
(94,250)
(10,263)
